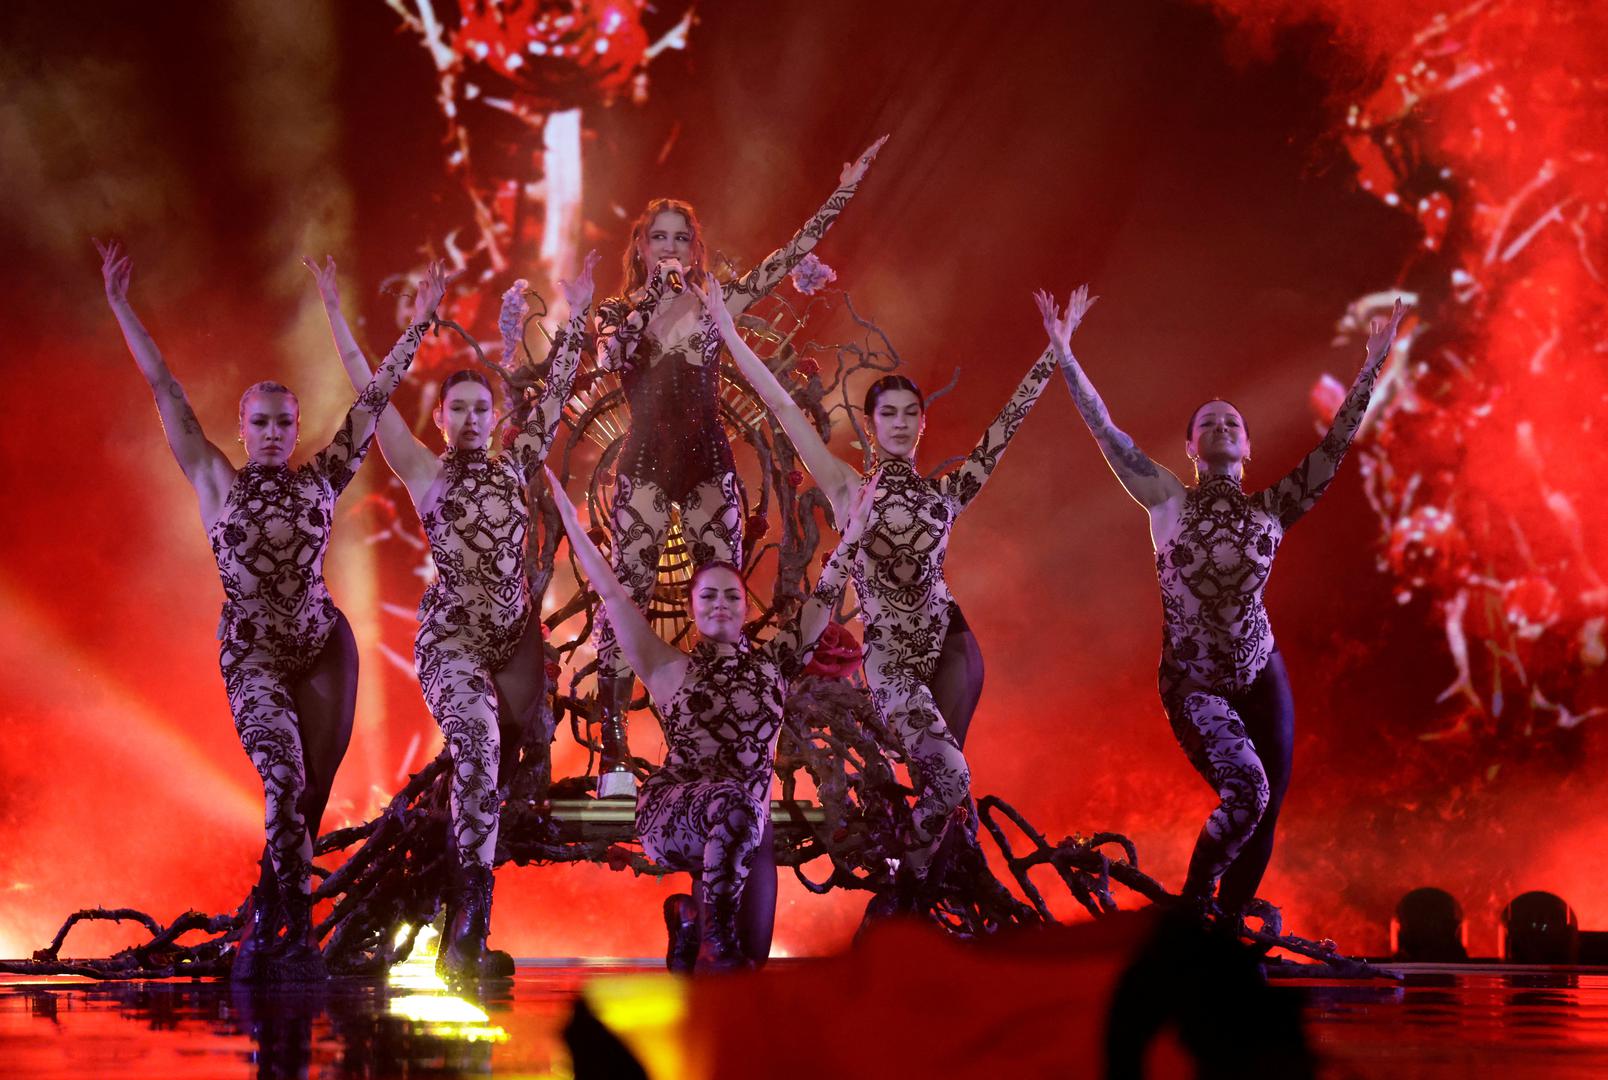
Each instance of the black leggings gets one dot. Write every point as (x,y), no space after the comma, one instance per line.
(520,684)
(1242,744)
(957,681)
(326,699)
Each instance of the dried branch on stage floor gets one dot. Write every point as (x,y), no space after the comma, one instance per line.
(161,957)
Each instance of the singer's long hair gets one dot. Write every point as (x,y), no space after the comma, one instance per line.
(636,273)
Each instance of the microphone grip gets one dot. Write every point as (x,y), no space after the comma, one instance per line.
(672,278)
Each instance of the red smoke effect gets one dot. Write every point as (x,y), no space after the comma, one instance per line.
(1216,211)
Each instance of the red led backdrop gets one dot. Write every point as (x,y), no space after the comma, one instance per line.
(1211,180)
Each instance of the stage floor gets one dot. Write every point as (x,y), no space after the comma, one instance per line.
(1441,1022)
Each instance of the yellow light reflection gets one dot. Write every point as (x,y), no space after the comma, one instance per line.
(431,1007)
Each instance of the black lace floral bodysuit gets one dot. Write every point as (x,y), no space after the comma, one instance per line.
(269,544)
(270,541)
(906,604)
(705,808)
(1216,637)
(1228,704)
(475,613)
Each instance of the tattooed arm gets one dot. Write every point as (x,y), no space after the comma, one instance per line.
(414,463)
(1149,484)
(836,477)
(204,465)
(536,438)
(752,286)
(339,461)
(661,667)
(1304,485)
(793,643)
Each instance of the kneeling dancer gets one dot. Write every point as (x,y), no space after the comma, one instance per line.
(705,809)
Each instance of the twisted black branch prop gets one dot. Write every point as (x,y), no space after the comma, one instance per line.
(395,868)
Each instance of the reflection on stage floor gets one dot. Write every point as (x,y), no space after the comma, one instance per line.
(1439,1022)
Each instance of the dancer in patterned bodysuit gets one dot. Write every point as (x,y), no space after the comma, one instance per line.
(286,652)
(705,809)
(1222,680)
(478,650)
(676,452)
(898,571)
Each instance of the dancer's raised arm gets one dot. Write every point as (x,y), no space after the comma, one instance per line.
(1150,485)
(1301,488)
(746,290)
(795,641)
(964,483)
(341,458)
(837,478)
(414,463)
(535,439)
(204,465)
(661,667)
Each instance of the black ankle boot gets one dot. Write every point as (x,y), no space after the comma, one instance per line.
(717,932)
(464,956)
(257,932)
(295,956)
(681,923)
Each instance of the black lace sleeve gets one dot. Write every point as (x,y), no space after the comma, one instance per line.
(535,439)
(339,461)
(621,324)
(964,483)
(1302,487)
(752,286)
(793,643)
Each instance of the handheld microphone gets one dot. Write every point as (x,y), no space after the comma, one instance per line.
(672,278)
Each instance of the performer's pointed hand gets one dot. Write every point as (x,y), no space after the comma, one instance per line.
(329,289)
(432,288)
(578,293)
(714,304)
(860,511)
(116,269)
(854,170)
(1381,333)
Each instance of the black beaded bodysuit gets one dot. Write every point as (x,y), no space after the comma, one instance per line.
(269,544)
(1218,656)
(906,604)
(477,610)
(676,453)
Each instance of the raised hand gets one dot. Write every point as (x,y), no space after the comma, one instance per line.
(566,507)
(1382,332)
(329,289)
(854,170)
(117,268)
(432,287)
(578,293)
(860,511)
(714,305)
(1060,325)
